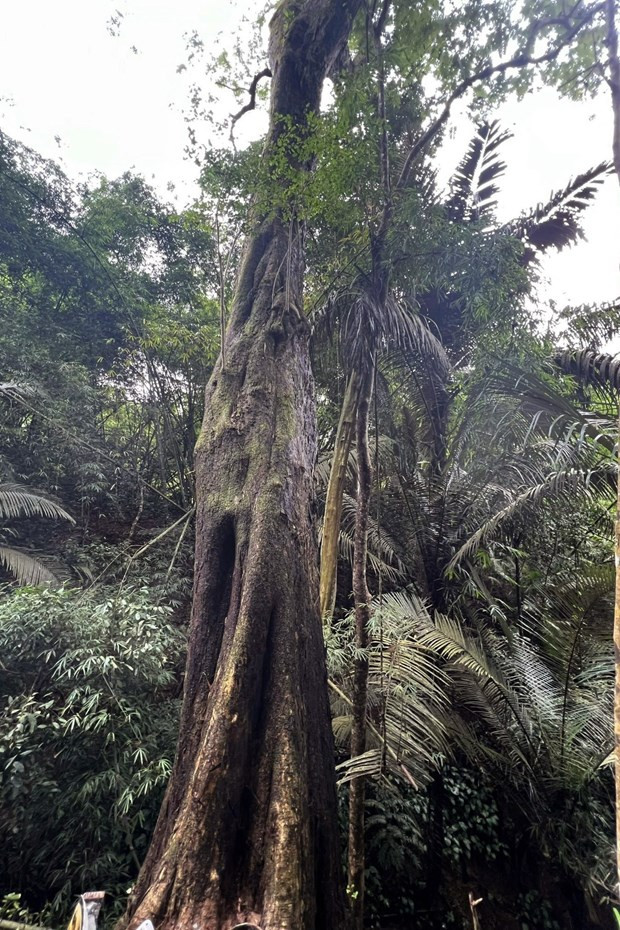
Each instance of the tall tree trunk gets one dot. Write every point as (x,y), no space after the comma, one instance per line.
(335,494)
(617,666)
(614,84)
(248,827)
(361,595)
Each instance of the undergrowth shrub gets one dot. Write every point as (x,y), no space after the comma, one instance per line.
(89,704)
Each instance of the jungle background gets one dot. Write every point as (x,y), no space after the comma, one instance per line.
(491,440)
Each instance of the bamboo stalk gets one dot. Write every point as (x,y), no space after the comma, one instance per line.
(335,490)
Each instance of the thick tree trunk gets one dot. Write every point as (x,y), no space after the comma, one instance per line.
(614,84)
(617,664)
(361,595)
(335,494)
(248,828)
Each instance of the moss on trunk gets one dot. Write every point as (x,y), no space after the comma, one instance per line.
(248,828)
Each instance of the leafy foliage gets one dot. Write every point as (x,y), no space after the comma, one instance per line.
(90,700)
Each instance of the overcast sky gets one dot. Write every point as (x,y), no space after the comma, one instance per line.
(116,102)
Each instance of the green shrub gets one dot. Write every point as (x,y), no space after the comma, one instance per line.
(89,703)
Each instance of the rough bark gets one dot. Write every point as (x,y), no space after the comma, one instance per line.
(335,494)
(617,666)
(361,596)
(248,828)
(614,85)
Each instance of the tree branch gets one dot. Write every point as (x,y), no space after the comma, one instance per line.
(344,63)
(383,15)
(378,239)
(614,78)
(520,60)
(251,105)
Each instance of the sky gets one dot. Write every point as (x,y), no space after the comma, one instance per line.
(94,84)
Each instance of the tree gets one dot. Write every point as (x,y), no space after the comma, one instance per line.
(520,578)
(375,319)
(247,831)
(602,371)
(106,323)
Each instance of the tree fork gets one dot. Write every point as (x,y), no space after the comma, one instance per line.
(248,828)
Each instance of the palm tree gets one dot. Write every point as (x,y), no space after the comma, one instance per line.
(517,459)
(602,372)
(524,654)
(370,323)
(374,316)
(471,206)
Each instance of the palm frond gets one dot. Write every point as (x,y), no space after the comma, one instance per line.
(379,565)
(372,325)
(473,186)
(341,726)
(408,708)
(562,482)
(383,450)
(405,328)
(325,315)
(589,367)
(470,663)
(539,398)
(557,223)
(25,568)
(591,325)
(368,765)
(18,501)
